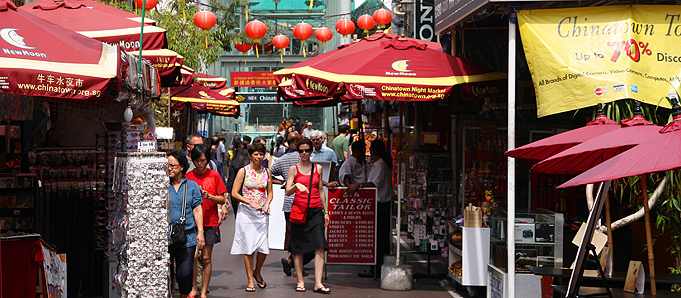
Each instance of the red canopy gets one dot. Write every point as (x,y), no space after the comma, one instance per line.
(552,145)
(659,153)
(167,62)
(43,59)
(97,24)
(190,76)
(389,69)
(216,101)
(592,152)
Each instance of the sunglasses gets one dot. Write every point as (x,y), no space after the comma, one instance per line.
(305,150)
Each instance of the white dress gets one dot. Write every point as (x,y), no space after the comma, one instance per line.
(251,226)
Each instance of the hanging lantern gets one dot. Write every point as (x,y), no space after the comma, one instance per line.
(281,42)
(345,27)
(303,31)
(366,22)
(323,34)
(205,20)
(256,29)
(148,4)
(382,17)
(243,48)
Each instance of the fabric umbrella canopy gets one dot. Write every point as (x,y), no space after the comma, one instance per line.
(392,69)
(660,153)
(215,101)
(592,152)
(99,25)
(189,76)
(99,6)
(553,145)
(40,58)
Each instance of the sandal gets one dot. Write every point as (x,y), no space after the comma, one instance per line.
(250,289)
(261,283)
(323,290)
(300,289)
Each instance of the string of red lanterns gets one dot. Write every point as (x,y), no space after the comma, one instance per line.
(303,31)
(280,42)
(205,20)
(323,34)
(345,27)
(256,30)
(366,22)
(382,17)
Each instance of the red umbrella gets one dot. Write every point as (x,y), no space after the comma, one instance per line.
(552,145)
(392,69)
(189,76)
(592,152)
(97,24)
(167,62)
(39,58)
(218,102)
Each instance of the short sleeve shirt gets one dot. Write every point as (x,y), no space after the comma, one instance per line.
(210,182)
(340,145)
(381,176)
(175,207)
(280,167)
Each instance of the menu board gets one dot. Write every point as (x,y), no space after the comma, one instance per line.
(351,233)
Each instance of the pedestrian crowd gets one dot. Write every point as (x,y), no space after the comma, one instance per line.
(200,197)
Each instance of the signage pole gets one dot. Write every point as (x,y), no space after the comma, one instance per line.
(510,227)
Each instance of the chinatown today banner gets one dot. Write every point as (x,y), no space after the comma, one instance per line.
(580,57)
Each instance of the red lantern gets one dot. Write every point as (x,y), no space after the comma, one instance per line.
(345,27)
(243,47)
(256,30)
(366,22)
(302,31)
(280,42)
(382,17)
(323,34)
(205,20)
(149,4)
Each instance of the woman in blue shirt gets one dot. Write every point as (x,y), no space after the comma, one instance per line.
(183,256)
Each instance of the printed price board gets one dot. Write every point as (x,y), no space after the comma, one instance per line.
(146,147)
(352,228)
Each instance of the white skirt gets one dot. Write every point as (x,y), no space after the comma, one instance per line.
(250,231)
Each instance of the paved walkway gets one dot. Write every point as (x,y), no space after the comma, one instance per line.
(229,277)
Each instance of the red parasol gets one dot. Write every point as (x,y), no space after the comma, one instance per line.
(40,58)
(216,101)
(94,5)
(167,62)
(553,145)
(97,24)
(189,76)
(386,69)
(592,152)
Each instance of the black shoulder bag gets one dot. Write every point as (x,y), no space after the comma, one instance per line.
(178,237)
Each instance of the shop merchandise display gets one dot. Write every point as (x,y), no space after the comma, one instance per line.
(484,177)
(430,200)
(141,225)
(55,273)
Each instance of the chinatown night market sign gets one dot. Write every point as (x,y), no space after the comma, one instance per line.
(580,57)
(352,227)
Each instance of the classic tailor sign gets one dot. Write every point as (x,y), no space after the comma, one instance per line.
(352,228)
(579,57)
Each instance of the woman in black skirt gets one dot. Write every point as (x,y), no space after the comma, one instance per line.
(308,237)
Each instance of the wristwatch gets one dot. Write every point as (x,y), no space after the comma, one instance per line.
(220,210)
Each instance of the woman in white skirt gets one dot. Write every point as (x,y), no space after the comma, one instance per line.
(253,189)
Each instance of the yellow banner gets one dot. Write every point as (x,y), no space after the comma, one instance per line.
(579,57)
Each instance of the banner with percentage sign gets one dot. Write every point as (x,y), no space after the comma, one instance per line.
(579,57)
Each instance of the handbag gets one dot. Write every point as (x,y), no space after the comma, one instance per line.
(299,213)
(178,236)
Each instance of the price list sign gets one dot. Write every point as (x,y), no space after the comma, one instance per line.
(352,228)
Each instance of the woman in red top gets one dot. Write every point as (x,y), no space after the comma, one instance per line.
(308,237)
(213,193)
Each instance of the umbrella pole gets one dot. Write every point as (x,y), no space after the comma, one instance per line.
(169,107)
(608,224)
(649,237)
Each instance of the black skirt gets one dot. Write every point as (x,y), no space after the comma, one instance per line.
(310,236)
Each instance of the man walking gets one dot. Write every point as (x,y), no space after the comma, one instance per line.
(341,143)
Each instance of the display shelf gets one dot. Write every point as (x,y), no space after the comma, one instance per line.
(474,256)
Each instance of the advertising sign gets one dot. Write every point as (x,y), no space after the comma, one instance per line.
(256,97)
(579,57)
(253,79)
(425,21)
(352,229)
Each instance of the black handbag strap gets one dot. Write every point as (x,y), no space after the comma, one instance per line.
(184,203)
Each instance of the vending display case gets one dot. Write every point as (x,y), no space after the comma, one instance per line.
(538,240)
(469,253)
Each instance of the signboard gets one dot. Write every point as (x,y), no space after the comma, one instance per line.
(253,79)
(146,146)
(425,21)
(580,57)
(352,228)
(449,12)
(256,97)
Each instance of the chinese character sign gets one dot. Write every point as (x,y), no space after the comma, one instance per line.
(253,79)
